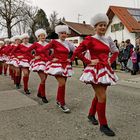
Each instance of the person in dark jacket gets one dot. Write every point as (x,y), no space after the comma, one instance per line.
(114,64)
(121,54)
(127,53)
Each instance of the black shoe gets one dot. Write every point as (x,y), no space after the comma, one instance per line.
(27,92)
(44,100)
(39,95)
(93,119)
(58,104)
(17,86)
(106,130)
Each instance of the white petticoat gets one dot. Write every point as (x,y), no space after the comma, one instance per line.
(10,61)
(15,62)
(24,63)
(57,69)
(102,76)
(5,58)
(37,65)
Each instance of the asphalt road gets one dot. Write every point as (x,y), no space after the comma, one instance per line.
(46,122)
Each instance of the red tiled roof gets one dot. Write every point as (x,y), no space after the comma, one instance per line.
(80,28)
(125,16)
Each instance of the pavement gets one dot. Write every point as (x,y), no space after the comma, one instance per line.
(126,79)
(13,99)
(25,117)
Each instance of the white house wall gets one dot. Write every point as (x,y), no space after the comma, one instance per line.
(120,35)
(78,38)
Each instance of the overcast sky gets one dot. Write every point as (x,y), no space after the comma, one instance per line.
(86,8)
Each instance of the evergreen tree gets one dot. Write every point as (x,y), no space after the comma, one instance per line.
(41,20)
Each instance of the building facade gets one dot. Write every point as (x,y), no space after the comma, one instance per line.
(124,23)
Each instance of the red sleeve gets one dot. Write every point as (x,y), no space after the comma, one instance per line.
(10,50)
(45,48)
(14,50)
(82,48)
(7,50)
(45,51)
(2,50)
(33,46)
(114,57)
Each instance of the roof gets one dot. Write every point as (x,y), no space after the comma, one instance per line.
(130,17)
(80,28)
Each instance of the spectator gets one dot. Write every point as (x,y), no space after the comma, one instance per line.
(121,54)
(114,64)
(134,62)
(127,52)
(138,53)
(129,47)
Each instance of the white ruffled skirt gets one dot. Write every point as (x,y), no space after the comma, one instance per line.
(15,62)
(57,69)
(99,75)
(24,63)
(36,65)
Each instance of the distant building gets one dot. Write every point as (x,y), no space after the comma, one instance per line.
(78,31)
(124,23)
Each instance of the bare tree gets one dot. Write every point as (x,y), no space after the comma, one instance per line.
(53,20)
(11,11)
(31,21)
(28,21)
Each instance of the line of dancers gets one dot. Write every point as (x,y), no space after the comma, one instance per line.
(52,58)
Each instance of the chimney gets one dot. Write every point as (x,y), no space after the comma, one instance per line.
(84,22)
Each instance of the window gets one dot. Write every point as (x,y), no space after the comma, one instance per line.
(117,27)
(135,13)
(75,41)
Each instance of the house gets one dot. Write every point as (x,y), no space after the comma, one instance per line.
(78,31)
(124,23)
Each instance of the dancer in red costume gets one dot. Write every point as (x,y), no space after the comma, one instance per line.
(24,59)
(98,72)
(5,52)
(38,63)
(15,61)
(10,61)
(1,57)
(59,65)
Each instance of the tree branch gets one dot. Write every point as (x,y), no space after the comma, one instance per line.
(16,23)
(3,24)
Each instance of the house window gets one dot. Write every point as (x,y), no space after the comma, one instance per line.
(117,27)
(135,13)
(71,41)
(75,41)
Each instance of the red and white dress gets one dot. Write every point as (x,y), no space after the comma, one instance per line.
(27,56)
(38,64)
(99,47)
(4,53)
(1,55)
(10,55)
(16,51)
(60,50)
